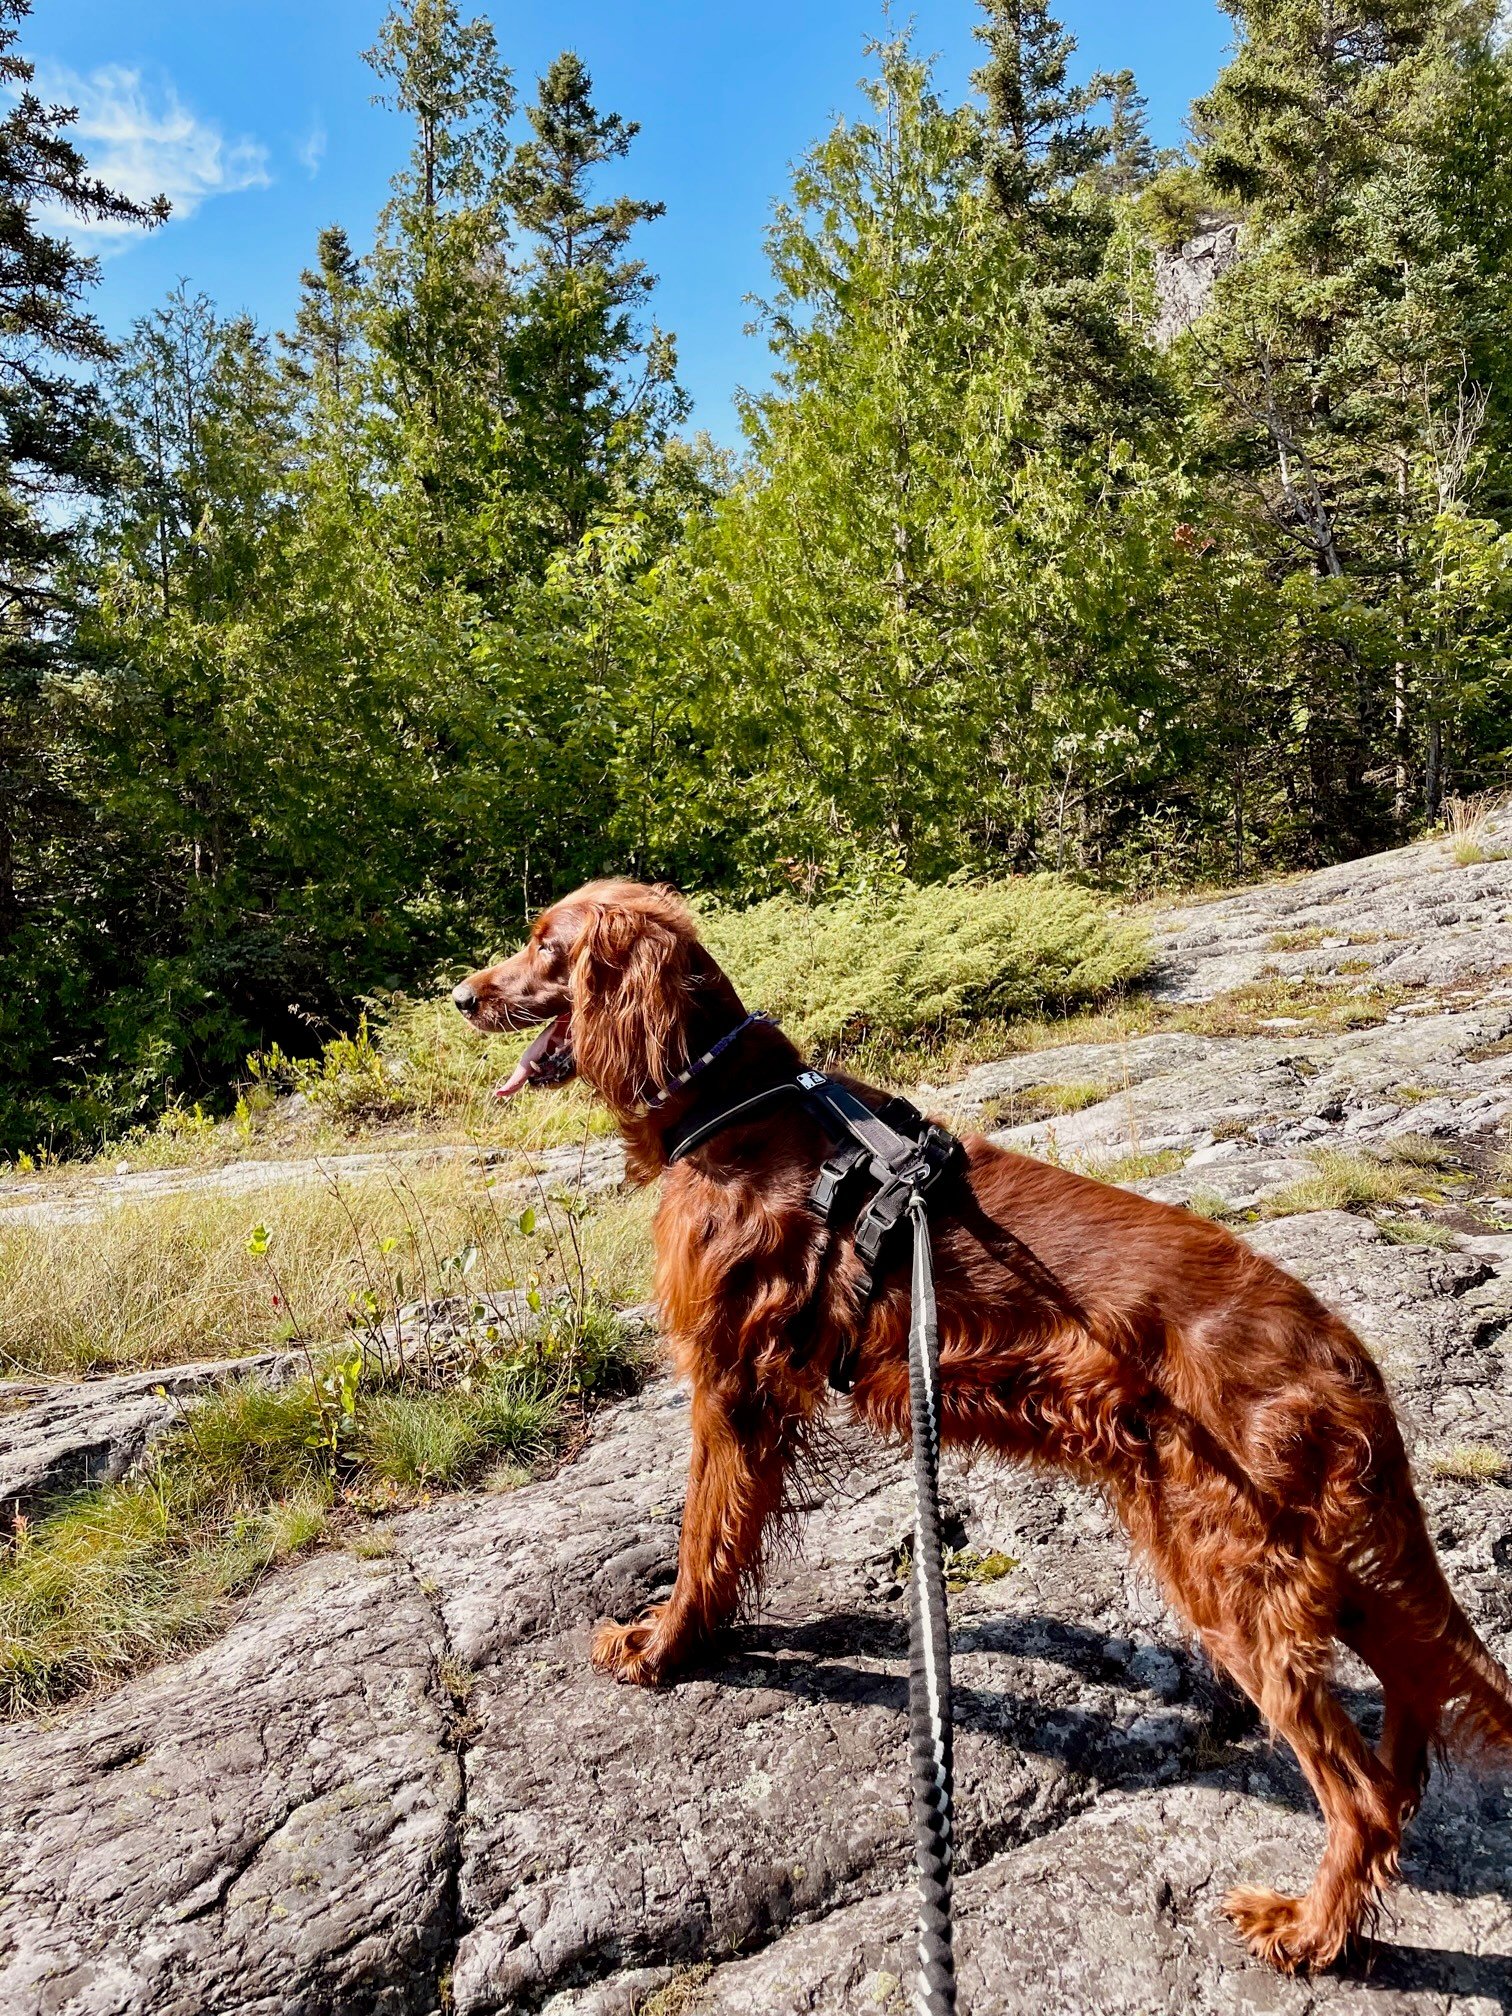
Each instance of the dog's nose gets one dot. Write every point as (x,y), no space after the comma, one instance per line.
(465,998)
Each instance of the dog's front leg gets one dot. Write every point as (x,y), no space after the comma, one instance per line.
(734,1486)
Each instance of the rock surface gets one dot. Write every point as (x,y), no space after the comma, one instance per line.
(1184,279)
(83,1199)
(72,1434)
(397,1785)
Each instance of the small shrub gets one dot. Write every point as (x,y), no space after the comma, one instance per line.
(921,959)
(417,1061)
(964,1565)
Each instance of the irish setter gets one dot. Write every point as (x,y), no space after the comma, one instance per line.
(1241,1431)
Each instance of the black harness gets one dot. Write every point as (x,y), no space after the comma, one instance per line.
(892,1146)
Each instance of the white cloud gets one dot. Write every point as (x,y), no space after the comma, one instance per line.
(310,151)
(147,142)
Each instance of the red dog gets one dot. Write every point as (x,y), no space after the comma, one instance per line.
(1241,1432)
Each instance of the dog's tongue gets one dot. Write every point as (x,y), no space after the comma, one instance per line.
(528,1065)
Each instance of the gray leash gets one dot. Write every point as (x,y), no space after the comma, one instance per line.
(929,1708)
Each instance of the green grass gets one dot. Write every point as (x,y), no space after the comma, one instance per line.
(1415,1232)
(1421,1151)
(258,1473)
(1045,1102)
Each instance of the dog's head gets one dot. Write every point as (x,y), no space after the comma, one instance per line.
(619,984)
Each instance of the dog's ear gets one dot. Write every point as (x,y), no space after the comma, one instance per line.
(630,974)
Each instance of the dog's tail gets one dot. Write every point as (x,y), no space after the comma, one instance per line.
(1477,1708)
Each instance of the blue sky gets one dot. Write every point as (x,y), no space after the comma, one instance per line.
(254,116)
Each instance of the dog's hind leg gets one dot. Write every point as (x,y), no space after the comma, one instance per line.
(1287,1677)
(1382,1634)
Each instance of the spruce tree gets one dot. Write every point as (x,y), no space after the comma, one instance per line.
(593,390)
(439,301)
(321,351)
(1047,164)
(55,453)
(1334,355)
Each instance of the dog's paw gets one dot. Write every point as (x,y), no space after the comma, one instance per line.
(632,1652)
(1276,1930)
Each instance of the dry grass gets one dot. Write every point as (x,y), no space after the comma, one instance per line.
(1473,1463)
(1134,1165)
(1044,1102)
(1466,821)
(1340,1180)
(168,1279)
(685,1992)
(1307,940)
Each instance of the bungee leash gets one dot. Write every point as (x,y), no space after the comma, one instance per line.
(929,1698)
(905,1156)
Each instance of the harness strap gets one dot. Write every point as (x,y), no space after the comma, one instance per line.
(732,1116)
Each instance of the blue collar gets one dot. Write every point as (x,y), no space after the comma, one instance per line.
(656,1100)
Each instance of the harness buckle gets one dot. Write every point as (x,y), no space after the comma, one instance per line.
(836,1179)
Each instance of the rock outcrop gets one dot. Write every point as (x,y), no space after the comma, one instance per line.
(396,1785)
(1184,279)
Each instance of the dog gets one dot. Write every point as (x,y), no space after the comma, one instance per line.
(1241,1431)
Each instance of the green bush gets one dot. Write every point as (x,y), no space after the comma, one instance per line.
(924,959)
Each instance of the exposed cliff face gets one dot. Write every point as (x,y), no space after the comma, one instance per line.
(1184,279)
(395,1784)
